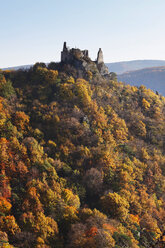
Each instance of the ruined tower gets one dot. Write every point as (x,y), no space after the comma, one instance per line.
(100,57)
(64,53)
(103,69)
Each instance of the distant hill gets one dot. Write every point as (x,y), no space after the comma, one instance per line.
(153,78)
(121,67)
(17,67)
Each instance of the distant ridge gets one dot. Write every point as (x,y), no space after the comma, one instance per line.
(17,67)
(124,66)
(153,78)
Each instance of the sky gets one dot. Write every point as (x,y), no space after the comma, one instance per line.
(34,30)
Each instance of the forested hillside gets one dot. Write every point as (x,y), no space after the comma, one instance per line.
(82,160)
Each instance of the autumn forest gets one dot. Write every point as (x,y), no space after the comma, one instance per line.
(82,160)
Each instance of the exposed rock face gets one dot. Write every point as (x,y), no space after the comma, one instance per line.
(81,61)
(103,69)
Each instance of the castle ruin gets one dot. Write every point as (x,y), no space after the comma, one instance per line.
(68,54)
(81,58)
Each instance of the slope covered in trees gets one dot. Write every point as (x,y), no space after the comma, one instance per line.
(82,161)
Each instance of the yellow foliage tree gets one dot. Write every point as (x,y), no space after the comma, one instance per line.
(115,205)
(5,206)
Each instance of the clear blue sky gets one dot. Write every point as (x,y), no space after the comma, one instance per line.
(34,30)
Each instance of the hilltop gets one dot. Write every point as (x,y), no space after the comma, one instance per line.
(147,72)
(116,67)
(82,158)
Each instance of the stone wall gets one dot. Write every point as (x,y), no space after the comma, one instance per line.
(80,59)
(68,55)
